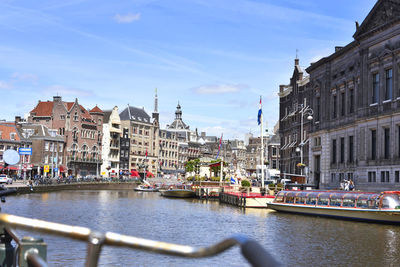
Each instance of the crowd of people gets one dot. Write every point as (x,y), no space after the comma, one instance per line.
(347,185)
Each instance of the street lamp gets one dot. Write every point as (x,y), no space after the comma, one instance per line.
(304,111)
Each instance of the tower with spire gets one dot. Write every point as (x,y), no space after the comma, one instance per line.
(156,115)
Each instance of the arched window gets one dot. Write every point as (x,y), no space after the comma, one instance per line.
(75,133)
(95,153)
(84,152)
(74,151)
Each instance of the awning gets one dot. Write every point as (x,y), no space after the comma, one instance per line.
(216,164)
(134,173)
(293,144)
(12,168)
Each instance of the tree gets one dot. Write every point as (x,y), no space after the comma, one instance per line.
(192,165)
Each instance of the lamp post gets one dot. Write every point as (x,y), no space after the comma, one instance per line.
(304,111)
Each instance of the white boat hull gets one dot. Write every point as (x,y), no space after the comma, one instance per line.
(145,189)
(343,213)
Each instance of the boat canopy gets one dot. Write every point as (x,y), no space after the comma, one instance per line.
(344,199)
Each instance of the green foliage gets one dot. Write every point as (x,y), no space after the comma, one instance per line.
(192,165)
(245,183)
(271,186)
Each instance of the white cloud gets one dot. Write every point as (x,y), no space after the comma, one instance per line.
(24,77)
(219,89)
(128,18)
(5,85)
(62,90)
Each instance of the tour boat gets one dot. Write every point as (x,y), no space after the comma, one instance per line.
(364,206)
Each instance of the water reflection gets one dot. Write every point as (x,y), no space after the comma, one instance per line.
(296,240)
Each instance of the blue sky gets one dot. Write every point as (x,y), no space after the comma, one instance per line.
(215,57)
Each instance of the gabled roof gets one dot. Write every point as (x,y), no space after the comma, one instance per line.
(135,114)
(96,109)
(43,109)
(6,129)
(384,13)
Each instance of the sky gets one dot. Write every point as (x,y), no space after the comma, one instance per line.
(216,58)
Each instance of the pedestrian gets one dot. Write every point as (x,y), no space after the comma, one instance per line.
(346,185)
(342,185)
(351,185)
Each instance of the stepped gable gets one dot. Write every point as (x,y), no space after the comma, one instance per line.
(43,109)
(382,15)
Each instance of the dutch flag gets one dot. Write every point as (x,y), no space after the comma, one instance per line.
(259,113)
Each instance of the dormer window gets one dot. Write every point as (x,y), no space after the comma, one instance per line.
(12,136)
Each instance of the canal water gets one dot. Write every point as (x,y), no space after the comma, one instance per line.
(294,240)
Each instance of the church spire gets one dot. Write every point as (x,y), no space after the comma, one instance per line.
(155,114)
(156,103)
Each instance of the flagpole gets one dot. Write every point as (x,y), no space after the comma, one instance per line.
(262,147)
(219,150)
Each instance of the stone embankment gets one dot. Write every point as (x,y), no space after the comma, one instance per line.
(75,186)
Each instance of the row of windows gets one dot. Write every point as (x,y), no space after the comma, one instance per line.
(384,177)
(340,177)
(342,99)
(338,101)
(388,86)
(50,146)
(350,152)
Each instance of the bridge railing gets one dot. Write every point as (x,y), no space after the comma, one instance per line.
(32,252)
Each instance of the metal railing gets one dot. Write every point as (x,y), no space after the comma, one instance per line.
(251,250)
(32,251)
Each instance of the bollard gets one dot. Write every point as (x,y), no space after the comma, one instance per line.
(33,245)
(6,250)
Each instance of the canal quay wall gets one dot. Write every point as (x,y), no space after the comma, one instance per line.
(76,186)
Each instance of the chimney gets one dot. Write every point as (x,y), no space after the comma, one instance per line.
(296,61)
(337,48)
(56,98)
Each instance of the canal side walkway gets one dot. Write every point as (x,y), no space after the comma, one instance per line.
(23,188)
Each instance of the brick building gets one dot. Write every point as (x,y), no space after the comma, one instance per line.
(80,128)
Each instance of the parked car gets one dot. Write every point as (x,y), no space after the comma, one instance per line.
(5,179)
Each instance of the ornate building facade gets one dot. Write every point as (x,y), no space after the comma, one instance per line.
(143,132)
(81,129)
(293,100)
(356,101)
